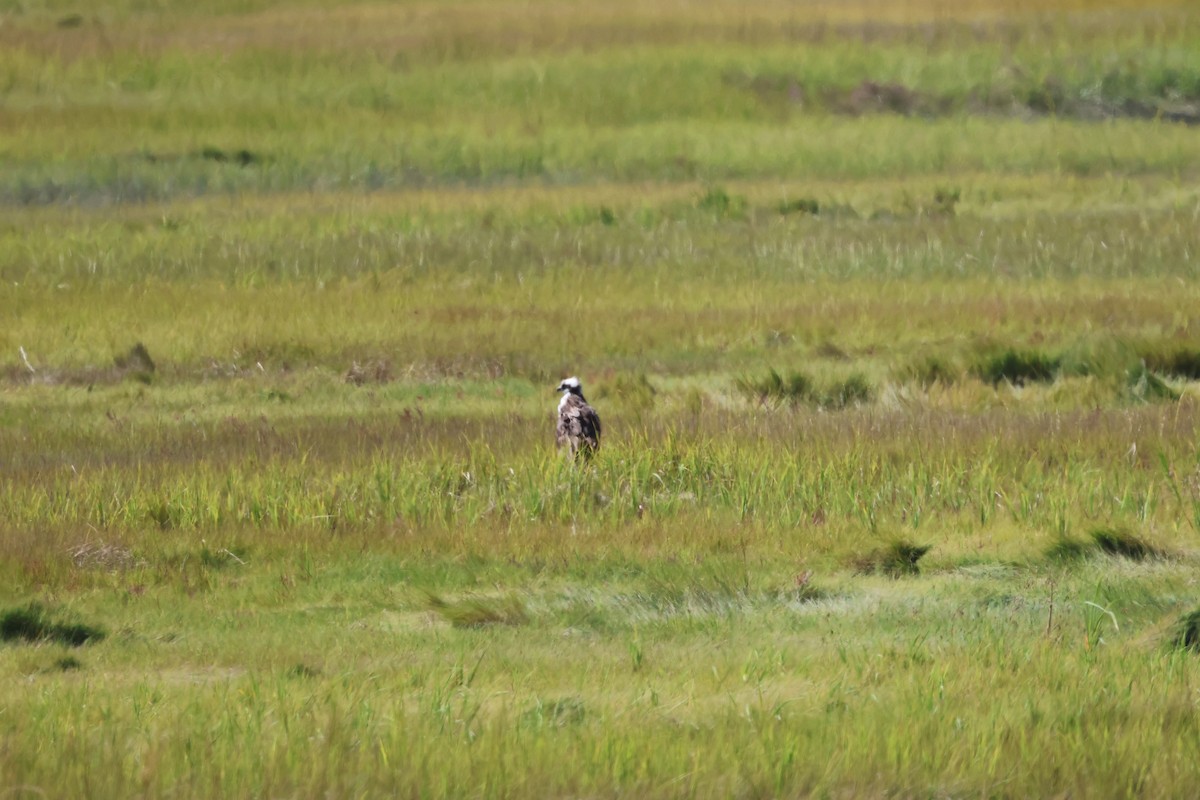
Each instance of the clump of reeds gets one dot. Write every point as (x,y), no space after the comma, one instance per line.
(1146,385)
(1017,367)
(721,203)
(1180,363)
(302,670)
(635,391)
(68,664)
(558,713)
(1124,543)
(895,559)
(1066,549)
(478,612)
(775,388)
(369,372)
(33,623)
(136,363)
(800,205)
(803,590)
(795,388)
(853,391)
(1118,542)
(930,369)
(1187,632)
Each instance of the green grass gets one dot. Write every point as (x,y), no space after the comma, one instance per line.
(33,623)
(895,559)
(1187,633)
(888,310)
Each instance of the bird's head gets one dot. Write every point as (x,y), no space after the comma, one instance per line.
(571,385)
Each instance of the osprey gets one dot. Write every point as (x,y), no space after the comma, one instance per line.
(578,423)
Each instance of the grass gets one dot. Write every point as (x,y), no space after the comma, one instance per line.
(799,388)
(476,612)
(33,623)
(1187,634)
(1124,543)
(889,312)
(895,559)
(1114,541)
(1018,368)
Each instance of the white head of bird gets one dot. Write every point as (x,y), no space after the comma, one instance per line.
(570,386)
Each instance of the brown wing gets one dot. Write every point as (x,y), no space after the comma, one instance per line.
(578,426)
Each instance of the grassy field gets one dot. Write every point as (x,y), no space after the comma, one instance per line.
(889,310)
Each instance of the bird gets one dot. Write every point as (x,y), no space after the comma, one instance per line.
(578,423)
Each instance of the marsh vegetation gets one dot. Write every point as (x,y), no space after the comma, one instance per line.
(887,310)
